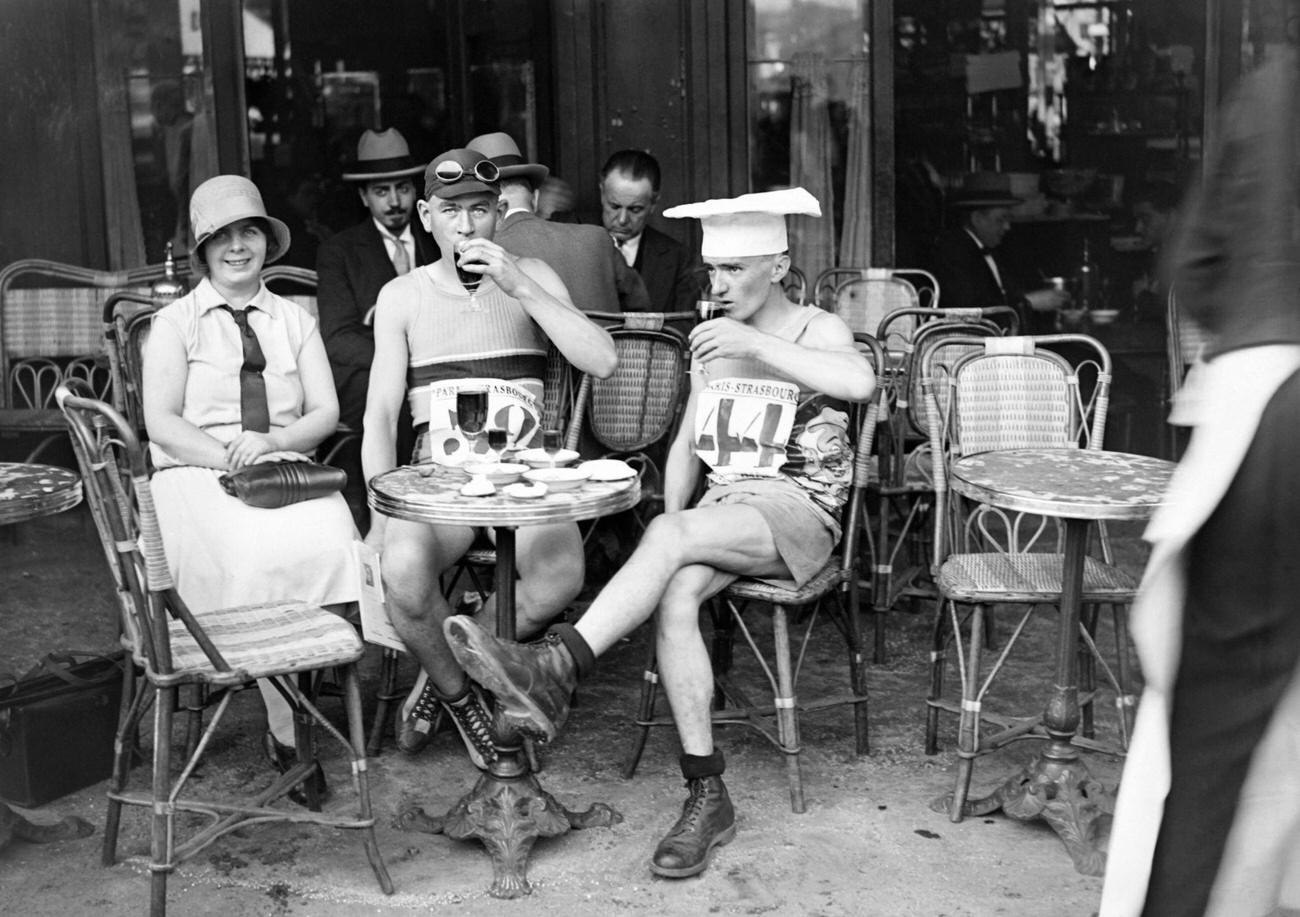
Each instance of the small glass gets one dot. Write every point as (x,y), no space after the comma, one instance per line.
(498,441)
(468,279)
(705,310)
(552,442)
(471,414)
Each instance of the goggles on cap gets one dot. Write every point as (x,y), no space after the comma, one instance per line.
(450,171)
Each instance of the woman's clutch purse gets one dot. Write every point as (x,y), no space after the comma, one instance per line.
(273,484)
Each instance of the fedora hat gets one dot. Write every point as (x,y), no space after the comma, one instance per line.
(383,154)
(501,148)
(980,190)
(222,200)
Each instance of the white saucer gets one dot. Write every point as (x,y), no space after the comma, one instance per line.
(608,470)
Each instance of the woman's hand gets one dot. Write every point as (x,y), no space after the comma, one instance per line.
(247,448)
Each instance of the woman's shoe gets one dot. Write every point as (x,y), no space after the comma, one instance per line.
(282,758)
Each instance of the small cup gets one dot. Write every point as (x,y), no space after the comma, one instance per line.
(706,309)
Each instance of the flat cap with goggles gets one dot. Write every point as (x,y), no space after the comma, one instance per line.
(456,173)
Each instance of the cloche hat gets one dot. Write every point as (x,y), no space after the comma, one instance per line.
(222,200)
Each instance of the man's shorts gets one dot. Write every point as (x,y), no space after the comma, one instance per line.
(804,534)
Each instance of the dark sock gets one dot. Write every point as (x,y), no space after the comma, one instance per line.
(583,658)
(696,766)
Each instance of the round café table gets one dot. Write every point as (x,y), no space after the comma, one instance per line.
(1078,486)
(28,491)
(507,809)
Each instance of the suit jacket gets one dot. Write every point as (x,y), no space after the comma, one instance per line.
(351,268)
(597,277)
(965,279)
(672,275)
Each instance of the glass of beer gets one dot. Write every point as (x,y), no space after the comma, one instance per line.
(471,413)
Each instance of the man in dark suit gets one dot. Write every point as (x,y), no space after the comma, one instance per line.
(970,271)
(629,192)
(597,279)
(355,263)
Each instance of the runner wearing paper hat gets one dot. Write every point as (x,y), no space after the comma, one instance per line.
(767,512)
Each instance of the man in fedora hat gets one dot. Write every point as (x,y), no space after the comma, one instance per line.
(968,267)
(598,280)
(354,264)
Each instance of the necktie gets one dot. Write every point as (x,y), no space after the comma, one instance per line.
(401,261)
(625,250)
(255,414)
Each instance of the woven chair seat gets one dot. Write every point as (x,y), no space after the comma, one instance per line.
(993,578)
(32,419)
(272,638)
(827,578)
(480,557)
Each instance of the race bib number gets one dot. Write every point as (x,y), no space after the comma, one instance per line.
(742,425)
(510,407)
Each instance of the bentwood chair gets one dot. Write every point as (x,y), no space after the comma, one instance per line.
(833,590)
(222,650)
(904,490)
(1012,393)
(633,413)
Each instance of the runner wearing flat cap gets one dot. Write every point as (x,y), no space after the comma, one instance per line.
(766,512)
(484,323)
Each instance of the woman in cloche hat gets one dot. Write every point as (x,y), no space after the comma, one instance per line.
(209,409)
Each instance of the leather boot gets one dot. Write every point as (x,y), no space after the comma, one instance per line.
(532,682)
(708,820)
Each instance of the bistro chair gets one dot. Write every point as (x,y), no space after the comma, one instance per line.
(903,488)
(833,590)
(222,650)
(1012,393)
(864,300)
(633,414)
(824,286)
(795,284)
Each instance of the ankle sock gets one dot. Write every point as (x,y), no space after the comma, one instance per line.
(583,658)
(454,700)
(696,766)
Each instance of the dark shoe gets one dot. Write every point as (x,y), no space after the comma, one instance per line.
(707,821)
(532,682)
(283,757)
(417,724)
(475,726)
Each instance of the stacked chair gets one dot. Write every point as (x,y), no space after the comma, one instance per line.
(833,590)
(903,492)
(222,650)
(1012,393)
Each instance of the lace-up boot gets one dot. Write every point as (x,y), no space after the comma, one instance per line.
(708,820)
(533,683)
(469,713)
(417,724)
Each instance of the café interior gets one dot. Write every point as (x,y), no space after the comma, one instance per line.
(885,110)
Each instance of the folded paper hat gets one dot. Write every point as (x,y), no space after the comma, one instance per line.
(501,148)
(752,224)
(381,155)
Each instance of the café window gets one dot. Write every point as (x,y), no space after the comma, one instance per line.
(809,109)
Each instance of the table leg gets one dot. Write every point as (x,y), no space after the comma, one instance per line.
(508,809)
(1056,785)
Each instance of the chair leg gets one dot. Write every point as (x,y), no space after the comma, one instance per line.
(645,711)
(968,727)
(361,776)
(787,723)
(160,844)
(857,670)
(388,693)
(124,749)
(1125,700)
(938,661)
